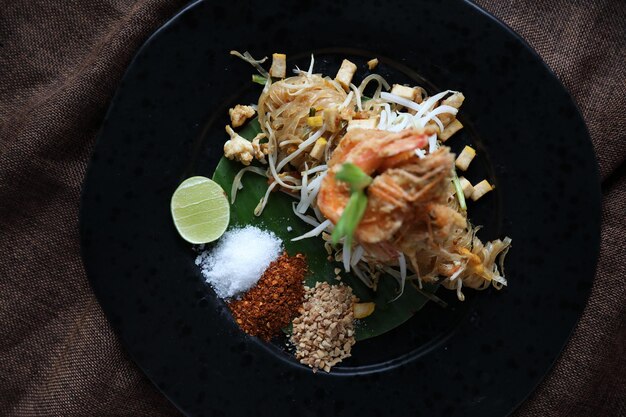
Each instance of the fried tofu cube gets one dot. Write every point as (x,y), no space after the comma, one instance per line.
(345,74)
(363,123)
(279,66)
(455,100)
(465,158)
(481,189)
(372,63)
(318,149)
(403,91)
(332,120)
(452,127)
(420,93)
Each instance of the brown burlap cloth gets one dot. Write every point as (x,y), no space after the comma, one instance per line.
(60,62)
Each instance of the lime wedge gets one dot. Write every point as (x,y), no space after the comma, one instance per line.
(200,210)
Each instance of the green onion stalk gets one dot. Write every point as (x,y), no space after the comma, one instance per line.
(354,210)
(259,79)
(459,191)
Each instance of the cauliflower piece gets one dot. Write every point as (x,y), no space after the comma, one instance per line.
(260,149)
(243,150)
(238,148)
(239,114)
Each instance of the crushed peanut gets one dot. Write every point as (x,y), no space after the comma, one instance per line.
(323,334)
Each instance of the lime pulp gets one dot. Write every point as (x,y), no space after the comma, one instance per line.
(200,210)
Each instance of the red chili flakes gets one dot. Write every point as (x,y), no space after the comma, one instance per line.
(275,300)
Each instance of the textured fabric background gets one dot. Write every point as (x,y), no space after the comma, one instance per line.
(60,62)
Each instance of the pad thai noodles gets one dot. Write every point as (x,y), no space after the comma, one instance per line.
(370,175)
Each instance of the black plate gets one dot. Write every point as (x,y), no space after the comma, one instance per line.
(478,358)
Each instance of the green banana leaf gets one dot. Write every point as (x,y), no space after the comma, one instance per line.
(278,216)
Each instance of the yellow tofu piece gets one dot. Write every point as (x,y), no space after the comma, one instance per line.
(452,127)
(345,74)
(465,158)
(481,189)
(318,149)
(403,91)
(279,66)
(455,100)
(332,120)
(363,123)
(420,93)
(315,121)
(372,63)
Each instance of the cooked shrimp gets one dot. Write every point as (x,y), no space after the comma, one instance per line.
(393,191)
(407,208)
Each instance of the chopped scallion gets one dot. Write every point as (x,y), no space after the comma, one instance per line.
(354,176)
(459,191)
(259,79)
(354,210)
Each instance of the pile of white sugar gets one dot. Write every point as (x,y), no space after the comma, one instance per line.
(237,262)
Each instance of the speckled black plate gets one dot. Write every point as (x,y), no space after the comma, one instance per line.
(477,358)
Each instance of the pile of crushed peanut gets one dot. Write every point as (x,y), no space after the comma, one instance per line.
(323,334)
